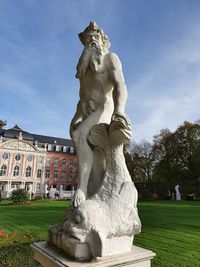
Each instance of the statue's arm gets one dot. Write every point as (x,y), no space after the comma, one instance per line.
(78,116)
(117,77)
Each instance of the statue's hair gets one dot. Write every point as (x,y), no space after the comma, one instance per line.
(94,28)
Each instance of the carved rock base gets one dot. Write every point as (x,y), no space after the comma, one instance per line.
(81,250)
(50,257)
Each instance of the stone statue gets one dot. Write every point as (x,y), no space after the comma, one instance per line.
(20,137)
(178,195)
(103,216)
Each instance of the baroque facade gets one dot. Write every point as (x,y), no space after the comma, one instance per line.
(34,162)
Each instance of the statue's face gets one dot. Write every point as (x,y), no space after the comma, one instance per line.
(93,39)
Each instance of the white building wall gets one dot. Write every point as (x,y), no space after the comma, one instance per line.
(8,182)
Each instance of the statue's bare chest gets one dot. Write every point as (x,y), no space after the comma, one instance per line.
(96,79)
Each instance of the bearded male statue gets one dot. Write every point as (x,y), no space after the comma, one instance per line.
(103,216)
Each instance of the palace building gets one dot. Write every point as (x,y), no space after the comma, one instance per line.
(35,162)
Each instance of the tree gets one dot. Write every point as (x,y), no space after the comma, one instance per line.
(19,196)
(178,154)
(142,162)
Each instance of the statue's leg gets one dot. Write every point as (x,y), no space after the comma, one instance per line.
(85,156)
(85,161)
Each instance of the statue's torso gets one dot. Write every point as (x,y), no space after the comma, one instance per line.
(97,88)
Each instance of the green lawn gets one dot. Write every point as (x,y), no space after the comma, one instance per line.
(171,229)
(36,217)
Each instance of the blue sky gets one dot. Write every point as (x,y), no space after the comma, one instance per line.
(158,42)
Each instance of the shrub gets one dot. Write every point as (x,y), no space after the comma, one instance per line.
(37,198)
(15,250)
(146,194)
(19,196)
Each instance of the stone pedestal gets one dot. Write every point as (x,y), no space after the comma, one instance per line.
(50,257)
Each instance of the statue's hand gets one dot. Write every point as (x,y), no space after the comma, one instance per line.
(118,116)
(79,197)
(117,113)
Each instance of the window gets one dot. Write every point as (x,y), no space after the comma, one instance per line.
(48,161)
(71,150)
(63,174)
(55,175)
(69,188)
(16,171)
(40,159)
(71,163)
(64,162)
(5,156)
(17,157)
(30,158)
(39,173)
(49,147)
(70,174)
(56,162)
(47,174)
(3,170)
(28,171)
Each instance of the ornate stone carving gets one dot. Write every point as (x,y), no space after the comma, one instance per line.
(18,145)
(103,216)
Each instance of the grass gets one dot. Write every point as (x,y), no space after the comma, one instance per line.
(170,229)
(36,217)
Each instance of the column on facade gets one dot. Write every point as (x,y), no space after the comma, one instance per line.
(34,166)
(8,186)
(23,165)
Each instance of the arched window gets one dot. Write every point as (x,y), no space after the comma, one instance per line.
(16,171)
(28,171)
(30,158)
(39,173)
(5,156)
(17,157)
(40,159)
(49,147)
(71,150)
(3,170)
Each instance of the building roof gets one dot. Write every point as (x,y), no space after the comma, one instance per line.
(52,140)
(13,133)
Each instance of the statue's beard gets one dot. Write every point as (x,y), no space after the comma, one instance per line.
(91,57)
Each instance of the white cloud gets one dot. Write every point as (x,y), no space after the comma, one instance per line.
(169,93)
